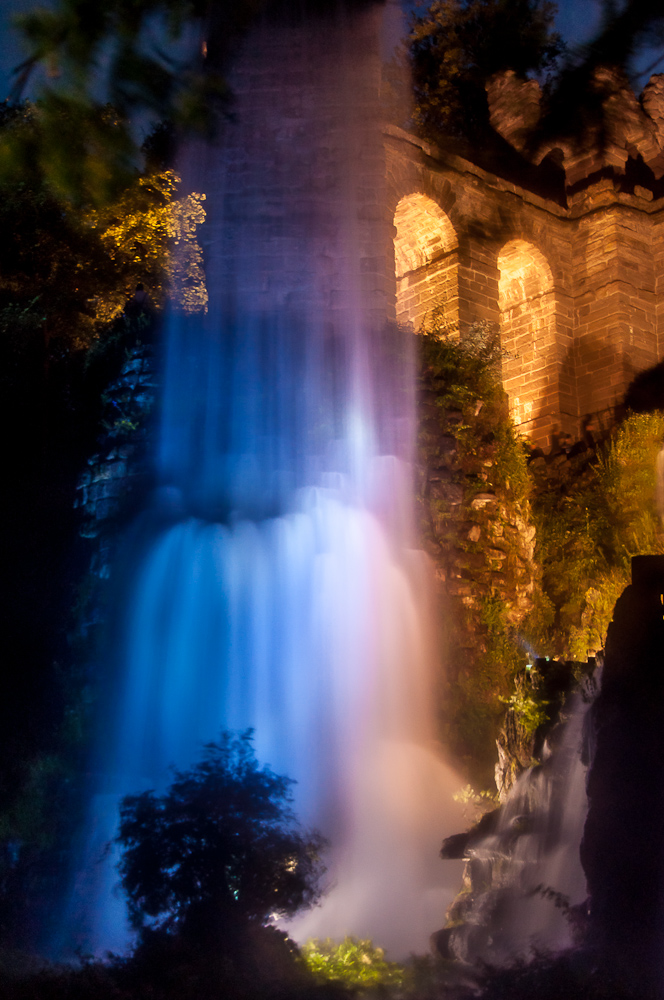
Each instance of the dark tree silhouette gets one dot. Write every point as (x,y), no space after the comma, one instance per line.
(220,851)
(456,45)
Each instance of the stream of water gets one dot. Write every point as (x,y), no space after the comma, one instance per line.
(286,593)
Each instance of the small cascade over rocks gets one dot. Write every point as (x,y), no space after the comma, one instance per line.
(523,885)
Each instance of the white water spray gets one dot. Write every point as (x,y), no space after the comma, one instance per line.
(286,595)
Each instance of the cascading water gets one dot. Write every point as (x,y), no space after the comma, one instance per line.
(527,876)
(285,594)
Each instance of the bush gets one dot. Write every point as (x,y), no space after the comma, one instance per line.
(352,961)
(220,851)
(587,535)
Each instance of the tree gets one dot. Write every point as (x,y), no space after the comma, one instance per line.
(576,104)
(81,261)
(456,45)
(105,66)
(220,851)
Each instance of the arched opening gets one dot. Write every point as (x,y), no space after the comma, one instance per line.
(527,330)
(426,261)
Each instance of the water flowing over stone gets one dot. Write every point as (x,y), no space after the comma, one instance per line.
(286,594)
(524,879)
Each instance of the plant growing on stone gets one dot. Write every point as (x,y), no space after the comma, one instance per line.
(467,366)
(475,804)
(589,527)
(475,522)
(529,711)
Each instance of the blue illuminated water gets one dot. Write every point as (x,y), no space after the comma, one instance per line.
(286,593)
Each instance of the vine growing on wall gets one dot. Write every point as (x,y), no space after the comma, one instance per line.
(475,523)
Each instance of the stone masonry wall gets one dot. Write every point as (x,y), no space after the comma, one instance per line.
(426,261)
(615,313)
(579,338)
(527,330)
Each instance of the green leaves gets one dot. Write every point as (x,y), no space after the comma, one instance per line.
(353,961)
(588,533)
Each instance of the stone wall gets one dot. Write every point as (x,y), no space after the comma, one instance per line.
(426,261)
(576,290)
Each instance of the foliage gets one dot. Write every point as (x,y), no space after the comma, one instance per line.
(264,965)
(475,804)
(456,45)
(353,961)
(576,974)
(529,711)
(588,533)
(464,368)
(80,264)
(149,235)
(136,56)
(466,371)
(468,441)
(220,849)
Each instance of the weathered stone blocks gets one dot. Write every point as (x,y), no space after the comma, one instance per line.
(577,291)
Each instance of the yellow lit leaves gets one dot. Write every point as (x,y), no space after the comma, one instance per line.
(151,237)
(185,263)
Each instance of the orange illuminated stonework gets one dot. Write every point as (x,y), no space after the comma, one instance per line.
(577,290)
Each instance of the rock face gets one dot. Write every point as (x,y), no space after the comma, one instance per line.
(622,850)
(118,469)
(475,524)
(118,474)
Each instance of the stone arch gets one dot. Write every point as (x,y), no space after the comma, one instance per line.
(426,260)
(527,304)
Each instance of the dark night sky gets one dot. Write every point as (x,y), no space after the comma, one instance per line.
(10,52)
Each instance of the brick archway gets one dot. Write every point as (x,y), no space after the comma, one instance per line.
(426,261)
(527,305)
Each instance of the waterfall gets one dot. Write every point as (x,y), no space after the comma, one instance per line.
(285,592)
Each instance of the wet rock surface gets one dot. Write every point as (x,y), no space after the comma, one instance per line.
(522,883)
(119,468)
(117,476)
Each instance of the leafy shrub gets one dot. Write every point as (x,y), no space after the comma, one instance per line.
(220,850)
(588,533)
(353,961)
